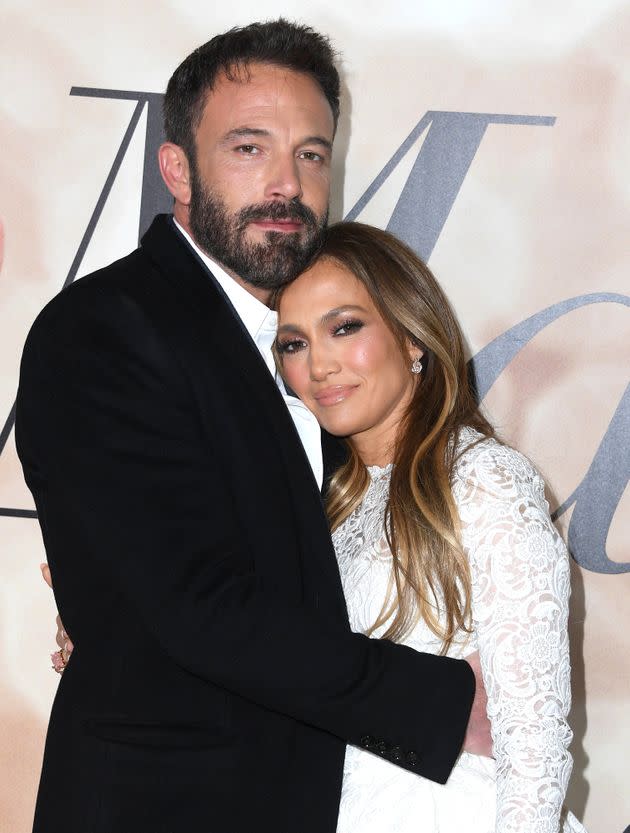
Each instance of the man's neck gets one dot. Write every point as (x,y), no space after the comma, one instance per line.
(261,294)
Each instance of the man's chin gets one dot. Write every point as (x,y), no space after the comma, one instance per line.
(275,248)
(272,268)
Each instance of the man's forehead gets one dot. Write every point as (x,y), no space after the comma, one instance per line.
(263,86)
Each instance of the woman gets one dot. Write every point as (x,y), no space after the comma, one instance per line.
(442,533)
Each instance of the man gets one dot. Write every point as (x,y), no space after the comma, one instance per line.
(215,680)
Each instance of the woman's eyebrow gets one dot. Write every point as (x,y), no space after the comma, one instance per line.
(288,328)
(333,313)
(326,317)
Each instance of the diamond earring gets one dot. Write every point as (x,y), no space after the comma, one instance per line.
(416,366)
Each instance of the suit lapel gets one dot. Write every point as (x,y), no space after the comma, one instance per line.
(211,328)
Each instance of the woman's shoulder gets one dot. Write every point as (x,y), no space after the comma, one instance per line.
(493,466)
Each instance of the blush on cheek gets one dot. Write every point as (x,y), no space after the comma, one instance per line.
(371,350)
(295,379)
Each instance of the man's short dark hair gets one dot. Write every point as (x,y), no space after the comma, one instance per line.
(277,42)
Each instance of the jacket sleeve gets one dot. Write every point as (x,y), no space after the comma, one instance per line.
(106,425)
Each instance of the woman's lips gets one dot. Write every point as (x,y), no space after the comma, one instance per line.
(334,394)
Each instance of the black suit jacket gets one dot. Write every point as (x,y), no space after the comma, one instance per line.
(215,680)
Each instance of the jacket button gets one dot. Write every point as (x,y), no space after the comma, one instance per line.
(382,748)
(412,758)
(367,741)
(396,753)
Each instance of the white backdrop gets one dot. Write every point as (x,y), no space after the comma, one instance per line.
(538,215)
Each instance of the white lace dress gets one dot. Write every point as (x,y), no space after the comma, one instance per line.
(520,577)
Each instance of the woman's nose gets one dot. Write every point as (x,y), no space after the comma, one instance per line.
(323,362)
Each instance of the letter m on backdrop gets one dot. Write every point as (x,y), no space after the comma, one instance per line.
(423,206)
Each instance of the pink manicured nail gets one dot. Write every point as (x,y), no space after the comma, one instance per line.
(58,662)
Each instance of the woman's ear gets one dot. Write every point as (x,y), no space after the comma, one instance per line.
(175,171)
(414,350)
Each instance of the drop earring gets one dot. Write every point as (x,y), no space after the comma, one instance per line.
(416,366)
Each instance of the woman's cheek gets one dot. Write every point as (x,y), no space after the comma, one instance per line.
(365,355)
(297,376)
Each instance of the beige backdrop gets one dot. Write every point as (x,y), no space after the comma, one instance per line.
(542,216)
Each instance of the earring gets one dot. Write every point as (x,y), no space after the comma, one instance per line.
(416,366)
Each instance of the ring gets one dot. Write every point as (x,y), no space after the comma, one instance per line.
(58,662)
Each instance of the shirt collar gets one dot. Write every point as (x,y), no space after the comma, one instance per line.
(260,321)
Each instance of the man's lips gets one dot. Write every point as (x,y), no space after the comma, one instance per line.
(333,394)
(285,225)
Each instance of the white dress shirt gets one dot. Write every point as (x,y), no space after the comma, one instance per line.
(262,325)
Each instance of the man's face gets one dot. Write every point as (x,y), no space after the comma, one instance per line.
(261,180)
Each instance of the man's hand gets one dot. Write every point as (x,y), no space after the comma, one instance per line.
(478,740)
(63,640)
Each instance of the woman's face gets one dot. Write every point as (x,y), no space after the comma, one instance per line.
(342,360)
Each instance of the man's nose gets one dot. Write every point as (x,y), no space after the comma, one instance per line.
(284,179)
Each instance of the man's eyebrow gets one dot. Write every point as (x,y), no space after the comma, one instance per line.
(327,316)
(240,132)
(317,140)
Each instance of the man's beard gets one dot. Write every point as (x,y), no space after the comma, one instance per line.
(269,264)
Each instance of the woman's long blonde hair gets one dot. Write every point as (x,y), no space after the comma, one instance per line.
(430,571)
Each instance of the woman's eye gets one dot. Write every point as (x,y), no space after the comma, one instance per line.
(347,328)
(288,347)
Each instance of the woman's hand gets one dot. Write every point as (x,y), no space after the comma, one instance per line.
(478,740)
(59,658)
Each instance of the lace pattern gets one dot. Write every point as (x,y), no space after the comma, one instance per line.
(520,585)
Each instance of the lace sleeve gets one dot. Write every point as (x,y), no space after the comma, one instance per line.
(520,574)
